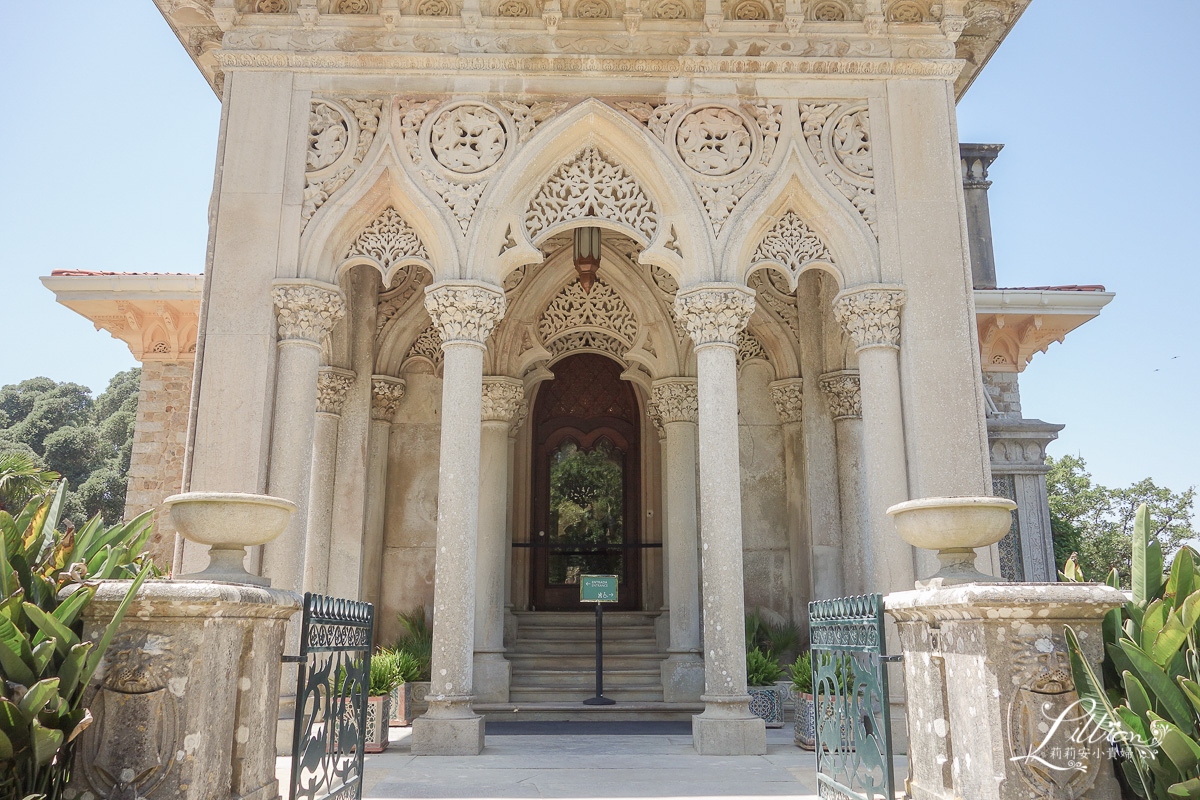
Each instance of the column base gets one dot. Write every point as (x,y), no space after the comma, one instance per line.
(727,728)
(492,677)
(683,678)
(442,736)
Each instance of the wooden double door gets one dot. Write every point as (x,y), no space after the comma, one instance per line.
(586,484)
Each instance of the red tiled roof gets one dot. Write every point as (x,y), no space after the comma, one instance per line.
(1072,288)
(86,272)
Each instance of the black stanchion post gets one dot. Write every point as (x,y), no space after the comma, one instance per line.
(599,699)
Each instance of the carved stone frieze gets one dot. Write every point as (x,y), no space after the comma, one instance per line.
(788,397)
(464,313)
(583,340)
(591,185)
(839,138)
(870,315)
(600,309)
(332,386)
(675,400)
(502,399)
(791,244)
(842,393)
(339,136)
(714,314)
(389,239)
(410,114)
(386,394)
(714,141)
(305,311)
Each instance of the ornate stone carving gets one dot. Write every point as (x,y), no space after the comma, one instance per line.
(386,394)
(388,240)
(577,340)
(332,386)
(839,138)
(905,11)
(792,244)
(464,313)
(771,291)
(353,7)
(434,8)
(655,116)
(468,139)
(502,399)
(410,115)
(750,346)
(714,141)
(590,185)
(405,283)
(513,8)
(675,400)
(528,116)
(746,10)
(671,9)
(720,201)
(601,309)
(714,313)
(461,198)
(871,315)
(427,345)
(770,124)
(328,135)
(592,9)
(305,311)
(271,6)
(788,397)
(329,160)
(842,393)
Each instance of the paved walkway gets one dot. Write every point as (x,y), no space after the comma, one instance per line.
(592,765)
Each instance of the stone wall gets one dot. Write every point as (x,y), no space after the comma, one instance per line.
(1004,392)
(159,439)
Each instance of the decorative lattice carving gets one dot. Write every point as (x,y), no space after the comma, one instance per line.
(587,340)
(720,201)
(411,114)
(750,346)
(600,309)
(590,185)
(655,116)
(388,240)
(461,198)
(328,162)
(593,9)
(428,344)
(714,141)
(792,244)
(328,135)
(770,122)
(528,116)
(353,7)
(514,8)
(906,11)
(839,138)
(468,139)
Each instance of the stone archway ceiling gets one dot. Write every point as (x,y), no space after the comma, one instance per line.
(408,281)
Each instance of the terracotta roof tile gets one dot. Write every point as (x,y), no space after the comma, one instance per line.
(89,272)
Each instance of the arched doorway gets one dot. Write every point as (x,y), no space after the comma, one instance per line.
(586,484)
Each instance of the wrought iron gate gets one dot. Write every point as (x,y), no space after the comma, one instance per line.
(332,681)
(850,696)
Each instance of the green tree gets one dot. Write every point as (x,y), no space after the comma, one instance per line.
(1095,523)
(58,426)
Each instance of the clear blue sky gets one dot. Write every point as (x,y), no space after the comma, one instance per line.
(112,135)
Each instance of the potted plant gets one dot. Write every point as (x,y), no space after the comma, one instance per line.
(766,699)
(385,677)
(805,711)
(416,645)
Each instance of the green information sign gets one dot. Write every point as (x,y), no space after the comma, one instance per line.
(598,588)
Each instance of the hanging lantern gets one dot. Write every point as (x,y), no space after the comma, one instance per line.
(587,256)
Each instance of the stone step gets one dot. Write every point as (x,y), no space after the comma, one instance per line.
(622,679)
(572,694)
(613,619)
(528,661)
(585,634)
(576,712)
(550,647)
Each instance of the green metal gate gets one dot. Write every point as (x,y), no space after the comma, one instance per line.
(850,696)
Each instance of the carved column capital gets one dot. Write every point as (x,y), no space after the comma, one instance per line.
(842,392)
(332,386)
(714,313)
(675,400)
(464,313)
(502,400)
(306,311)
(870,314)
(788,397)
(386,394)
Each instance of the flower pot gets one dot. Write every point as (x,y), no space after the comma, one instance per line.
(375,737)
(767,702)
(402,706)
(420,691)
(806,721)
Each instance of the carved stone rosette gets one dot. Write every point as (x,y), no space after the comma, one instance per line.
(714,313)
(464,313)
(675,400)
(307,311)
(386,394)
(332,386)
(871,315)
(788,397)
(842,392)
(503,398)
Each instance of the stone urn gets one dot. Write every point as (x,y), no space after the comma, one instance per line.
(954,527)
(228,522)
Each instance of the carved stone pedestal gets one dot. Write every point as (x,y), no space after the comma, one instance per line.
(992,709)
(185,702)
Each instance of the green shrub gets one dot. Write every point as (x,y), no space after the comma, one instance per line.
(408,667)
(801,673)
(416,641)
(762,669)
(385,672)
(782,638)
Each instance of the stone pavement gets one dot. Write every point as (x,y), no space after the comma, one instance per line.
(587,765)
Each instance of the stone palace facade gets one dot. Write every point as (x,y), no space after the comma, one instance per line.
(503,292)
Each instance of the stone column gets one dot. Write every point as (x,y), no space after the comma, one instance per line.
(464,314)
(714,314)
(306,312)
(870,315)
(816,568)
(991,695)
(186,699)
(675,405)
(502,401)
(845,406)
(332,385)
(386,394)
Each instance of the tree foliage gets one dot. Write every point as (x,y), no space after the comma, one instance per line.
(89,442)
(1095,523)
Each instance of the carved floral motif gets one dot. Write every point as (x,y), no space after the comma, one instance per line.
(791,243)
(411,114)
(306,312)
(386,394)
(788,397)
(528,116)
(428,345)
(577,340)
(601,309)
(839,138)
(842,392)
(750,346)
(655,116)
(720,201)
(467,139)
(714,141)
(332,386)
(714,315)
(461,198)
(871,316)
(388,240)
(328,135)
(590,185)
(405,283)
(675,400)
(329,163)
(502,399)
(464,312)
